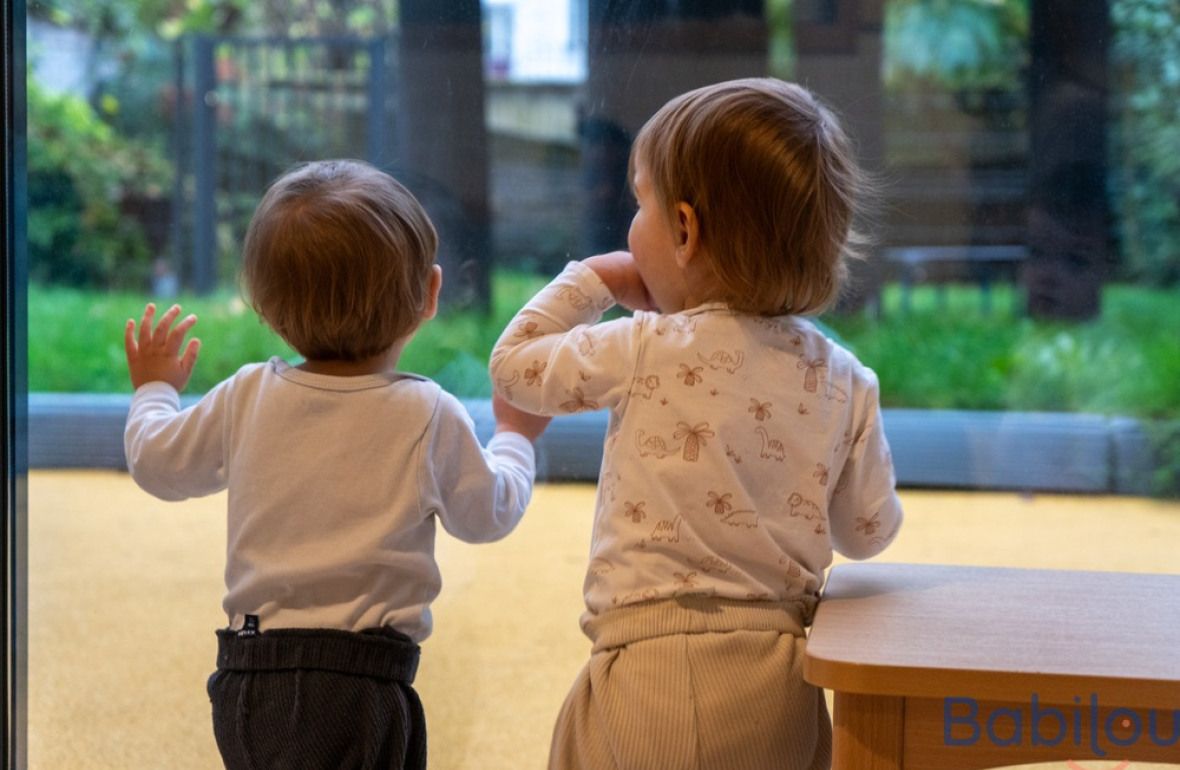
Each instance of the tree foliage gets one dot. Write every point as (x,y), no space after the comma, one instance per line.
(950,45)
(1147,65)
(81,174)
(119,19)
(959,44)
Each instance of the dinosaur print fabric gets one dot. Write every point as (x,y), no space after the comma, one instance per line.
(740,451)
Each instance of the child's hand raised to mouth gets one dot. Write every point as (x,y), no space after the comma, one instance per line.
(618,271)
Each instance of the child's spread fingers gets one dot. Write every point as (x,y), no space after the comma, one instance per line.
(189,359)
(160,336)
(176,335)
(145,325)
(129,345)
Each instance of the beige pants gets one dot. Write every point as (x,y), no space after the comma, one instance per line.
(700,684)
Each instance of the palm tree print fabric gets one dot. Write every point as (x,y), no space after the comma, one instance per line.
(741,451)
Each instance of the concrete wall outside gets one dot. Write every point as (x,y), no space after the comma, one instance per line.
(1025,451)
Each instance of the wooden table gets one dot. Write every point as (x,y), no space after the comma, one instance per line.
(955,668)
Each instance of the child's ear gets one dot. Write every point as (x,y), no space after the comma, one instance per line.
(688,234)
(432,291)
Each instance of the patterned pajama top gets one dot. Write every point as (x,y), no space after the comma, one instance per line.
(740,450)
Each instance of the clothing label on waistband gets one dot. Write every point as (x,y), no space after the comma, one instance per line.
(250,627)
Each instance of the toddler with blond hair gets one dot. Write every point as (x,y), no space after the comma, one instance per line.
(743,445)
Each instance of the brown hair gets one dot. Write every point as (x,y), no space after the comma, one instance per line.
(772,179)
(337,260)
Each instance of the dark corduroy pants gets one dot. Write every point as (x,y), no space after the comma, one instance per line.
(296,699)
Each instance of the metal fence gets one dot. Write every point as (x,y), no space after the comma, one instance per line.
(252,108)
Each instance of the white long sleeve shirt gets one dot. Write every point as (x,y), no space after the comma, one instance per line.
(334,486)
(740,450)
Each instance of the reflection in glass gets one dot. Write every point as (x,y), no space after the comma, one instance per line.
(1021,308)
(1024,230)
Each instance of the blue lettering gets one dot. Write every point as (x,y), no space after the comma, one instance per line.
(1122,727)
(949,719)
(1128,718)
(1098,752)
(1017,734)
(1034,724)
(1156,738)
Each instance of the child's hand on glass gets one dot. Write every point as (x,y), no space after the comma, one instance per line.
(617,269)
(154,354)
(509,418)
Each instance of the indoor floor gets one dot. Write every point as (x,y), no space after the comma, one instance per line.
(125,591)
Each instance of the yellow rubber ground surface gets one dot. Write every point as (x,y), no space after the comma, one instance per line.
(125,591)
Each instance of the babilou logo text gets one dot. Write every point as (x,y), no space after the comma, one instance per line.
(1084,724)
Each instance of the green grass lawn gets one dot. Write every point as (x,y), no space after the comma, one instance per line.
(945,351)
(76,339)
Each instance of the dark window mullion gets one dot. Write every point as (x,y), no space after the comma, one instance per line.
(14,384)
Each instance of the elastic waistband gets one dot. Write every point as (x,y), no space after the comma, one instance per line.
(381,653)
(690,615)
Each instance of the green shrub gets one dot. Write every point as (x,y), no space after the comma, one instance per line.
(1126,363)
(971,45)
(1146,59)
(1164,439)
(82,177)
(946,352)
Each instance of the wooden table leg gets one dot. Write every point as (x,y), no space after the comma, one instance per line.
(867,732)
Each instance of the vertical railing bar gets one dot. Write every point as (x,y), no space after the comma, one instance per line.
(179,156)
(204,162)
(375,108)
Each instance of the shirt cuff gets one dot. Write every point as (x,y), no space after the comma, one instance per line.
(157,390)
(589,282)
(516,449)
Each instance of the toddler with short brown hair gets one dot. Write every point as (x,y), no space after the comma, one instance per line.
(338,470)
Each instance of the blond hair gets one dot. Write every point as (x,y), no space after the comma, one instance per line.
(337,260)
(773,182)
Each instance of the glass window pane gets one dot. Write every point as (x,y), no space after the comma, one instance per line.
(1020,300)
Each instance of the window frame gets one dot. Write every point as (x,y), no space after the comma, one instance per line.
(13,383)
